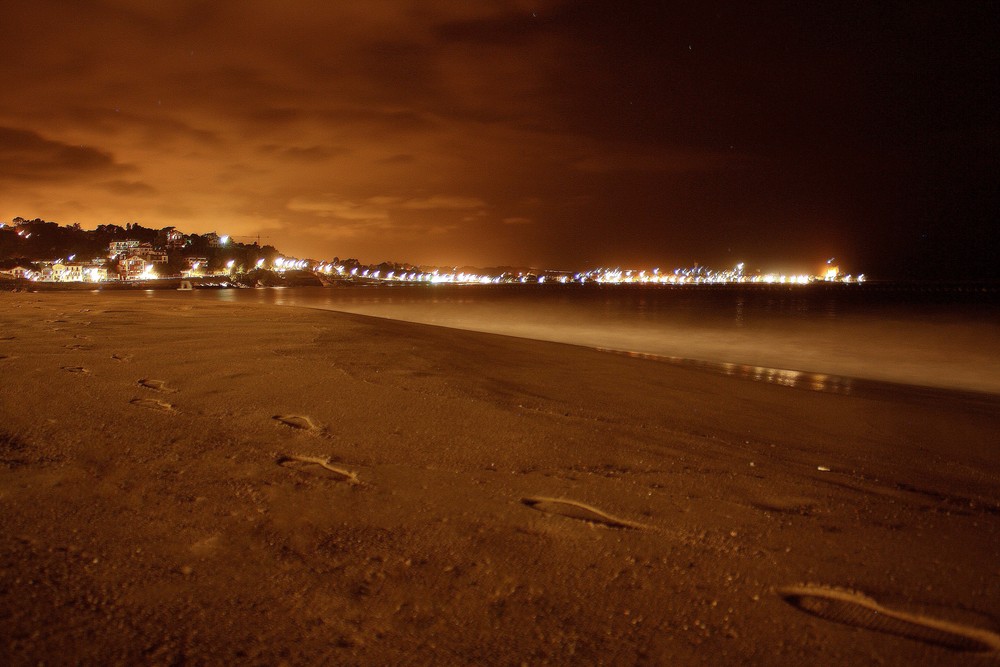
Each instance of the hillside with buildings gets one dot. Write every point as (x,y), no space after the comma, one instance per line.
(46,251)
(41,251)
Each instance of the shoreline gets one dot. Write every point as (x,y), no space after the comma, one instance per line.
(798,362)
(841,375)
(798,378)
(193,480)
(782,375)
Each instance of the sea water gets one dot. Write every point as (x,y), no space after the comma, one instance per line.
(943,337)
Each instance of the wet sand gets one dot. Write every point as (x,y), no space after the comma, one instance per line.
(211,483)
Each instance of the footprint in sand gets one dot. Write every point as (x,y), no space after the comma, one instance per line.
(156,385)
(786,504)
(75,369)
(861,611)
(580,512)
(318,466)
(152,404)
(298,422)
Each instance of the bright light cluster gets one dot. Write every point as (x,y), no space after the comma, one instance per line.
(699,276)
(603,276)
(284,264)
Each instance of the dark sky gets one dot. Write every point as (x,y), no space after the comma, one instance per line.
(557,134)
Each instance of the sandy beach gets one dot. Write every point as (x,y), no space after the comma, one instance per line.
(209,483)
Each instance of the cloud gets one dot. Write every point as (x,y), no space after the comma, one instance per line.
(444,202)
(517,220)
(152,127)
(333,206)
(273,115)
(303,153)
(378,207)
(676,161)
(175,211)
(128,188)
(392,120)
(28,156)
(398,158)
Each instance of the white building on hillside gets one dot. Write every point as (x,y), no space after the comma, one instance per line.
(119,247)
(78,272)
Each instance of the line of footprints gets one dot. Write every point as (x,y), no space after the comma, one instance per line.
(833,604)
(324,467)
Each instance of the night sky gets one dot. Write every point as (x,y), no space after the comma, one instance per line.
(554,134)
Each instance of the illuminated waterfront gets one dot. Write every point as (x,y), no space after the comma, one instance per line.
(42,251)
(697,275)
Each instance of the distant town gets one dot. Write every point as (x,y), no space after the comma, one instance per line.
(45,252)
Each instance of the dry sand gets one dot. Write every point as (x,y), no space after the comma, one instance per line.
(209,483)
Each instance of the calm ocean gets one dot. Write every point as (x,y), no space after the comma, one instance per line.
(932,337)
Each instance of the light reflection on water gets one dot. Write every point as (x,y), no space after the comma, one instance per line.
(831,384)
